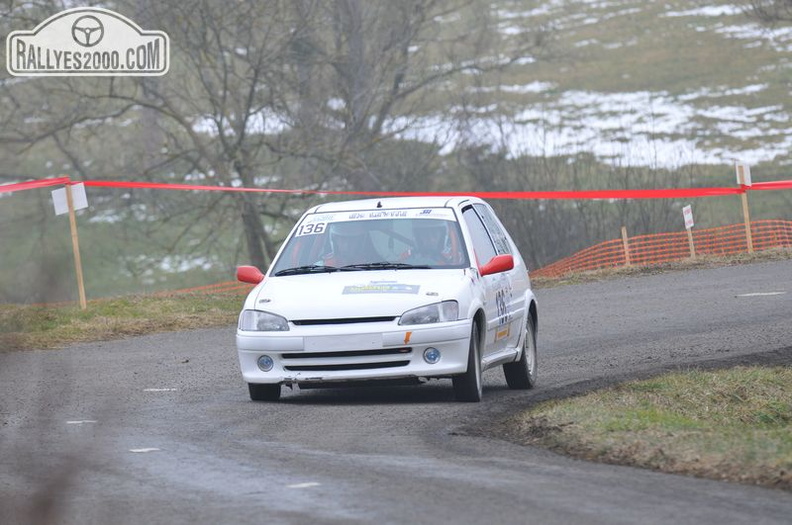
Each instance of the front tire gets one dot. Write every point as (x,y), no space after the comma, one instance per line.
(521,374)
(259,392)
(468,386)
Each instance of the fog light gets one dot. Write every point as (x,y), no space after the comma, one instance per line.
(265,363)
(431,355)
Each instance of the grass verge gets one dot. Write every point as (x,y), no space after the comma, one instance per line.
(43,327)
(733,424)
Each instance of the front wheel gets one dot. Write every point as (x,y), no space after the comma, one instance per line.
(260,392)
(521,374)
(467,386)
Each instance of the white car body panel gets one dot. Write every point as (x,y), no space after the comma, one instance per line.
(343,293)
(344,325)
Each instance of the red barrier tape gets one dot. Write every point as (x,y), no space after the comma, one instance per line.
(774,185)
(672,193)
(593,194)
(19,186)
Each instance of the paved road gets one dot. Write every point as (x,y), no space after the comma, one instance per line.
(159,429)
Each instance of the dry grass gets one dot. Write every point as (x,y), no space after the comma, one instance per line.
(733,424)
(41,327)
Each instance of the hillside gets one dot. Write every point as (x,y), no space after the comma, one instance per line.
(647,83)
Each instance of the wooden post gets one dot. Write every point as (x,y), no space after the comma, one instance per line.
(690,242)
(747,216)
(687,214)
(626,246)
(76,246)
(741,179)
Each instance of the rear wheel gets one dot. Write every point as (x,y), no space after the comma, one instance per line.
(260,392)
(521,374)
(468,386)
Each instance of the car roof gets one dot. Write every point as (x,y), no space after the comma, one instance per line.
(396,203)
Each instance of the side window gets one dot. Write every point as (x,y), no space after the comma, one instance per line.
(482,244)
(498,236)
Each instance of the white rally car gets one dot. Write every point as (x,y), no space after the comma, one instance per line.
(405,288)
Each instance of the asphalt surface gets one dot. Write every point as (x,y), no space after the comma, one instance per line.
(159,429)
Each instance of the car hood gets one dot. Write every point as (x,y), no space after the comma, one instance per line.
(341,295)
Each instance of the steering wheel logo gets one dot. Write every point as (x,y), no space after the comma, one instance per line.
(87,31)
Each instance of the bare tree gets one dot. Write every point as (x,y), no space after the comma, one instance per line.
(771,11)
(547,230)
(287,94)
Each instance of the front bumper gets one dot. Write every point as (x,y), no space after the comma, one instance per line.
(349,352)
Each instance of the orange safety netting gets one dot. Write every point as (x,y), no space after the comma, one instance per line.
(666,247)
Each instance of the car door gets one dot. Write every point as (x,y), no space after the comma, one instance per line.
(514,284)
(495,286)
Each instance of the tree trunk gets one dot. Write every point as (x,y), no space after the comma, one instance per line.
(254,233)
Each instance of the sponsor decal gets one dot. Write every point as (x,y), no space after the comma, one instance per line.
(87,41)
(381,287)
(437,213)
(323,217)
(502,334)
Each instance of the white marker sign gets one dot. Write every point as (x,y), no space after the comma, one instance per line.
(743,174)
(78,195)
(687,213)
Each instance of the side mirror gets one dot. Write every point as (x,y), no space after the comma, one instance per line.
(249,274)
(498,264)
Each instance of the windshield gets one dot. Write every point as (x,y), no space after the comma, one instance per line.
(374,240)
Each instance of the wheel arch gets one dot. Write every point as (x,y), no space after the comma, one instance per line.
(480,321)
(534,313)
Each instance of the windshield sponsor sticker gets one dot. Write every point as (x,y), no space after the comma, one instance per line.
(381,287)
(379,214)
(87,41)
(321,217)
(431,213)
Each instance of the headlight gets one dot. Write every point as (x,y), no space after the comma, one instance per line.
(257,321)
(433,313)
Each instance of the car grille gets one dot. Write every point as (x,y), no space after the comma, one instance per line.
(346,320)
(346,360)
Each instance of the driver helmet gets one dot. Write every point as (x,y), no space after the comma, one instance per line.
(431,231)
(347,232)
